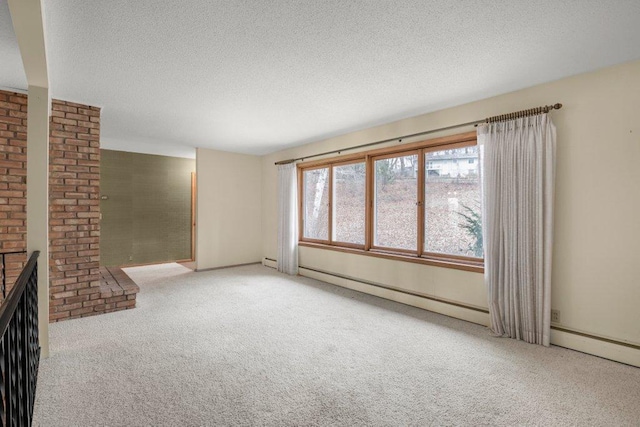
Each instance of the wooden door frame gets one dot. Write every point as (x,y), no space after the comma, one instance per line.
(193,216)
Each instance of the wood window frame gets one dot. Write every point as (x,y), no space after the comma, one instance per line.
(301,204)
(338,161)
(369,249)
(331,203)
(387,249)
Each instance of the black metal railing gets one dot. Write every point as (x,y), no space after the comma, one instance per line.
(3,270)
(20,348)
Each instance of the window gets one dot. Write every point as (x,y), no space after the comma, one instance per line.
(453,205)
(419,202)
(316,204)
(349,188)
(395,210)
(345,185)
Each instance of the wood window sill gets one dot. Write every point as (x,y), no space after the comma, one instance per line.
(474,266)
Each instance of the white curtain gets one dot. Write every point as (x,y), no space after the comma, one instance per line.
(287,219)
(518,191)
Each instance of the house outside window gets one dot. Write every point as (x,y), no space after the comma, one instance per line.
(418,202)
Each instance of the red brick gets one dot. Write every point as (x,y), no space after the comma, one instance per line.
(128,303)
(18,98)
(88,291)
(9,105)
(77,116)
(60,107)
(62,134)
(93,303)
(56,316)
(9,119)
(116,299)
(90,112)
(74,189)
(76,299)
(65,294)
(69,306)
(60,282)
(64,121)
(63,161)
(11,164)
(81,311)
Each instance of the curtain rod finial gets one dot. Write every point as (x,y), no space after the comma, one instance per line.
(557,106)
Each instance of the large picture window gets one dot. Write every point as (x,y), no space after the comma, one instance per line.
(349,190)
(394,203)
(316,204)
(418,202)
(452,203)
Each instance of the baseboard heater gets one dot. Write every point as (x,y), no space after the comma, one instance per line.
(466,306)
(200,270)
(404,291)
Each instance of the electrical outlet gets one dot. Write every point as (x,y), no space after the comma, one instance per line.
(130,257)
(555,316)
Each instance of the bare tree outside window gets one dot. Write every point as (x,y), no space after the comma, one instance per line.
(419,202)
(316,203)
(349,187)
(395,196)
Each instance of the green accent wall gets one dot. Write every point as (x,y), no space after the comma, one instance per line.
(146,208)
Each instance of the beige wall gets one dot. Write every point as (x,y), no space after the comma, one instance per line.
(228,224)
(595,280)
(145,207)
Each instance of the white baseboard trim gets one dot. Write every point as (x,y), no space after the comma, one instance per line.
(562,337)
(595,346)
(200,270)
(448,309)
(268,262)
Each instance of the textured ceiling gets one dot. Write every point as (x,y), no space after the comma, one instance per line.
(256,76)
(11,71)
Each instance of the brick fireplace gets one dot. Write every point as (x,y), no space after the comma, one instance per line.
(75,288)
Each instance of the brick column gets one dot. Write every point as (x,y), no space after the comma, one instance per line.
(74,208)
(13,178)
(74,224)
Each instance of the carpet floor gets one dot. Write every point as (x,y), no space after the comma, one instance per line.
(249,346)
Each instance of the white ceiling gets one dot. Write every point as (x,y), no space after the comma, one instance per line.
(257,76)
(11,71)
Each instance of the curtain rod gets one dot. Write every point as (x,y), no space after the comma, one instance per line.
(493,119)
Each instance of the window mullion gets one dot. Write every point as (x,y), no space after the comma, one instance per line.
(331,204)
(451,165)
(421,202)
(368,228)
